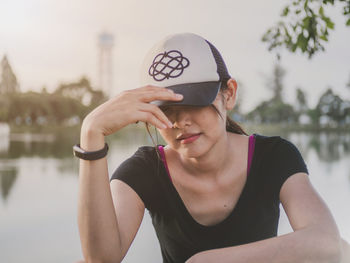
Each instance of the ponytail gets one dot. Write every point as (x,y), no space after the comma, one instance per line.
(232,126)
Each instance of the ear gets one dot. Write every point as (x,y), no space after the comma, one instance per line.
(230,94)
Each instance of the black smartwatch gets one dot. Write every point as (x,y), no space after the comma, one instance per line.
(90,156)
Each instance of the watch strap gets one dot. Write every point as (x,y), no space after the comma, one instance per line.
(90,156)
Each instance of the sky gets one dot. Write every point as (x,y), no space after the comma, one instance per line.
(49,42)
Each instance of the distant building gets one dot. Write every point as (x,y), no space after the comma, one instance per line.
(105,64)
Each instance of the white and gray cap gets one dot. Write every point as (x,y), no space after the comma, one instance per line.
(187,64)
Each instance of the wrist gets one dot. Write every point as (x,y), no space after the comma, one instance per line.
(90,155)
(91,139)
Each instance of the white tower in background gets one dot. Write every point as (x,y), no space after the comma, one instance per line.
(105,67)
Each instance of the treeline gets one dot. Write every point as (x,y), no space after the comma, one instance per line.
(49,108)
(331,109)
(71,102)
(67,105)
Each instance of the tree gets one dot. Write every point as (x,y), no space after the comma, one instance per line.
(9,83)
(276,82)
(274,110)
(39,108)
(332,106)
(81,91)
(301,100)
(304,26)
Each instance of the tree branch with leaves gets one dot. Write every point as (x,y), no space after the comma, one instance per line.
(304,26)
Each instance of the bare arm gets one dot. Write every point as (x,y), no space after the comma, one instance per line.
(346,252)
(315,237)
(97,220)
(109,215)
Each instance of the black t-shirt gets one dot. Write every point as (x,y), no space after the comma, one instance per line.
(255,216)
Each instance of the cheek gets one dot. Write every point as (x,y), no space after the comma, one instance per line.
(215,127)
(166,134)
(212,120)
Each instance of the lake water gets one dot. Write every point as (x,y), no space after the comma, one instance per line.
(39,187)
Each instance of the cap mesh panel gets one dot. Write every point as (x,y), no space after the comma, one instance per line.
(221,67)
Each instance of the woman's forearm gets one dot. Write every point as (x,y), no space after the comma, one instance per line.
(96,217)
(305,245)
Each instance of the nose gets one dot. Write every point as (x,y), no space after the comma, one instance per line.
(182,118)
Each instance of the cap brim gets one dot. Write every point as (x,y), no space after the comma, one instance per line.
(195,94)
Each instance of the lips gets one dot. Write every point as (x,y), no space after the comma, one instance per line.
(188,137)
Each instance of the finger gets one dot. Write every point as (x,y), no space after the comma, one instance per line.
(152,87)
(152,119)
(161,95)
(149,88)
(157,113)
(150,93)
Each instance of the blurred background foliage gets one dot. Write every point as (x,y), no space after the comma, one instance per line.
(66,106)
(71,102)
(304,26)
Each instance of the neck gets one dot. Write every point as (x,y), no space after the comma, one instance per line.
(214,162)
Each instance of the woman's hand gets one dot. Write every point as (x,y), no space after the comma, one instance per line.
(129,107)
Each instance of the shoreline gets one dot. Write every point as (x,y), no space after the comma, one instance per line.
(54,129)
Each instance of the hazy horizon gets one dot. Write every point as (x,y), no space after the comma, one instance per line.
(53,42)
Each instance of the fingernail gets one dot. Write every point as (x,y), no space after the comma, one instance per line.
(163,126)
(170,125)
(179,96)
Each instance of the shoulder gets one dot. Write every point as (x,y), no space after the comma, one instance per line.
(280,159)
(142,161)
(140,172)
(145,152)
(144,156)
(275,145)
(271,140)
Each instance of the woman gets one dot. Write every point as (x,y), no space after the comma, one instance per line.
(213,192)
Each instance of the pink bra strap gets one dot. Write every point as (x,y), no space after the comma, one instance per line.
(162,155)
(250,151)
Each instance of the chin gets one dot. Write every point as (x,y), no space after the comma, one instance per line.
(193,150)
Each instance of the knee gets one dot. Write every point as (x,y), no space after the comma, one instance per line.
(346,251)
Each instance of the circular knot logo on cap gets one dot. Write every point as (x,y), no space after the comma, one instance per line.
(168,65)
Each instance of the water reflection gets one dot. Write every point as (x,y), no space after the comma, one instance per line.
(4,144)
(8,176)
(39,185)
(330,147)
(59,147)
